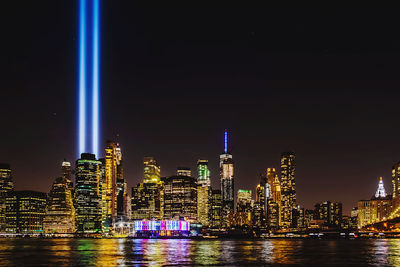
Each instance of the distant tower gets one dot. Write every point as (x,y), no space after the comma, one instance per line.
(227,182)
(381,190)
(6,186)
(203,192)
(112,158)
(288,189)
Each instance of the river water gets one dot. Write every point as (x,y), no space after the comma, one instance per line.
(143,252)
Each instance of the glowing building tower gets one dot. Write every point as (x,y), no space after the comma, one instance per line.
(227,182)
(380,192)
(88,85)
(288,191)
(87,201)
(112,161)
(147,196)
(60,211)
(6,187)
(203,192)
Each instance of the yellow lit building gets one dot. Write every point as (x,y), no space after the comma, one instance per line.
(376,209)
(203,192)
(60,212)
(288,189)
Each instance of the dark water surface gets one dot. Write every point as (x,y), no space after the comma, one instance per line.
(122,252)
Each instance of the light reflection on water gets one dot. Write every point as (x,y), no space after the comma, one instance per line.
(122,252)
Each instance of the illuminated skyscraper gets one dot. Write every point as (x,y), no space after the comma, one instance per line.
(87,206)
(244,200)
(288,189)
(380,192)
(376,209)
(60,211)
(203,192)
(151,171)
(123,202)
(329,212)
(25,211)
(112,166)
(147,197)
(227,182)
(6,187)
(180,198)
(396,190)
(216,208)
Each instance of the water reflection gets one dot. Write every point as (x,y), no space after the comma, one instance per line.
(123,252)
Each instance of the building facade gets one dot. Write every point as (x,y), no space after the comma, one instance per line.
(6,187)
(216,208)
(180,198)
(377,209)
(88,196)
(329,212)
(147,197)
(25,211)
(203,192)
(60,211)
(288,188)
(226,167)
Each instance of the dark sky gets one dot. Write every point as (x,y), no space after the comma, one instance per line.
(321,82)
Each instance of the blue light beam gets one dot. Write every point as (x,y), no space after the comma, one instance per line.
(89,76)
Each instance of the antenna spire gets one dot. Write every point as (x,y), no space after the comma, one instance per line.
(226,141)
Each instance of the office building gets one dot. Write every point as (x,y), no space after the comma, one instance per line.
(329,212)
(25,211)
(146,201)
(288,188)
(180,198)
(216,208)
(374,210)
(203,192)
(6,187)
(60,211)
(227,181)
(88,207)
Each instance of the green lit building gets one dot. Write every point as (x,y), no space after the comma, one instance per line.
(203,192)
(6,187)
(87,199)
(25,211)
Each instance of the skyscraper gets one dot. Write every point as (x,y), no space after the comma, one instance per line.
(180,198)
(288,189)
(203,192)
(151,171)
(112,158)
(216,208)
(25,211)
(87,206)
(329,212)
(6,187)
(396,190)
(227,182)
(60,211)
(376,209)
(147,196)
(123,203)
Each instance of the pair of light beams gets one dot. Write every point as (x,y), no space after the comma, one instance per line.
(89,95)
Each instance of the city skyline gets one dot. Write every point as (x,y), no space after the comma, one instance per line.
(242,74)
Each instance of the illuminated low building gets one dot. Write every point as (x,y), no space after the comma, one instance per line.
(25,211)
(161,228)
(239,218)
(376,209)
(329,212)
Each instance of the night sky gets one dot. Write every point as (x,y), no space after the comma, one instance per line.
(323,83)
